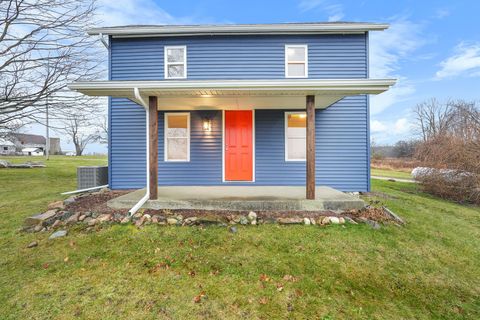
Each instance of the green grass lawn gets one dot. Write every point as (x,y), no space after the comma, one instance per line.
(390,173)
(427,270)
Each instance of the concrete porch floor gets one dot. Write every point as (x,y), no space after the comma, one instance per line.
(241,198)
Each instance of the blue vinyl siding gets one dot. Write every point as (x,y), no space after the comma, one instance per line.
(240,57)
(341,130)
(341,148)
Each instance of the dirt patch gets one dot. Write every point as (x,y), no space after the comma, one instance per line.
(96,202)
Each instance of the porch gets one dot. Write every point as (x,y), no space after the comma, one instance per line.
(285,198)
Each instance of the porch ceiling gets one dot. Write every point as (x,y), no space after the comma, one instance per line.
(236,94)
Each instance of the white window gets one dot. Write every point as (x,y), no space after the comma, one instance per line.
(177,137)
(175,62)
(295,136)
(296,61)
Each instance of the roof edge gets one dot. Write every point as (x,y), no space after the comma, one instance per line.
(239,29)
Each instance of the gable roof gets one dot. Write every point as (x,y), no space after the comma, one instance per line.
(238,29)
(30,138)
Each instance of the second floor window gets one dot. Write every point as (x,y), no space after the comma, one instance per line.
(175,62)
(296,61)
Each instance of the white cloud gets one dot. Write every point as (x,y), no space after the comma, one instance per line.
(387,132)
(377,126)
(333,10)
(125,12)
(387,51)
(464,61)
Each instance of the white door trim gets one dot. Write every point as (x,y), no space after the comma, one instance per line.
(253,149)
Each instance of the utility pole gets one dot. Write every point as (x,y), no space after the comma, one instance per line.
(47,145)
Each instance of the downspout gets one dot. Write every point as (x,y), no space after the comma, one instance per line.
(142,201)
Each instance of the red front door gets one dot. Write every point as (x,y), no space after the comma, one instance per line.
(238,146)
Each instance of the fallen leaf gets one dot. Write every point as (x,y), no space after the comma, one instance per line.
(290,278)
(191,273)
(45,266)
(66,259)
(279,287)
(263,300)
(264,277)
(199,297)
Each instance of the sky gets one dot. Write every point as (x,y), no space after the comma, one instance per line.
(432,46)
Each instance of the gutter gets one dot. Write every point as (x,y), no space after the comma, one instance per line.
(145,198)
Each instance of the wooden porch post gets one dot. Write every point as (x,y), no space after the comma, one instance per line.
(311,147)
(153,145)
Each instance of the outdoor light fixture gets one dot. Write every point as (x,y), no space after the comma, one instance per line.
(207,125)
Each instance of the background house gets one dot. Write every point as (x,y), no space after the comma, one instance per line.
(23,141)
(7,147)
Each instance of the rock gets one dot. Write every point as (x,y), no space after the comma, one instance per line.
(21,165)
(147,217)
(125,220)
(82,217)
(290,220)
(32,244)
(233,229)
(43,229)
(94,215)
(312,221)
(104,218)
(350,220)
(252,216)
(306,221)
(334,220)
(243,220)
(73,218)
(91,221)
(190,220)
(155,219)
(341,220)
(40,218)
(69,200)
(269,220)
(253,222)
(57,223)
(324,220)
(172,221)
(140,222)
(58,234)
(374,224)
(4,164)
(38,228)
(138,215)
(56,205)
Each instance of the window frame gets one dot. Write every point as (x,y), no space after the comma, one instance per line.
(166,64)
(287,46)
(165,137)
(287,159)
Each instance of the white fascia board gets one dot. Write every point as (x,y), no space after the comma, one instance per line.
(374,85)
(287,28)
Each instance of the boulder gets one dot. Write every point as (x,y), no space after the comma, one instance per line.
(252,216)
(243,220)
(91,221)
(56,205)
(73,218)
(334,220)
(104,218)
(40,218)
(312,221)
(307,221)
(57,223)
(82,217)
(140,222)
(4,164)
(69,200)
(290,220)
(233,229)
(172,221)
(58,234)
(38,228)
(32,244)
(125,220)
(190,220)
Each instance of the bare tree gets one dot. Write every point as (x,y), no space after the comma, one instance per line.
(102,129)
(431,118)
(43,46)
(80,130)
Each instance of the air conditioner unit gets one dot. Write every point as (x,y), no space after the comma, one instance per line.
(94,176)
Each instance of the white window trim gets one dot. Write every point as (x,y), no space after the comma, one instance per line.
(286,136)
(166,63)
(298,62)
(165,140)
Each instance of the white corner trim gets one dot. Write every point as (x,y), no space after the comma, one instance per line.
(165,140)
(286,136)
(166,63)
(305,60)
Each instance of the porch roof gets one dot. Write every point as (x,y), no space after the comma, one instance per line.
(235,94)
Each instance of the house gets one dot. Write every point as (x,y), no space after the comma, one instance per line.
(32,151)
(24,140)
(238,105)
(6,148)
